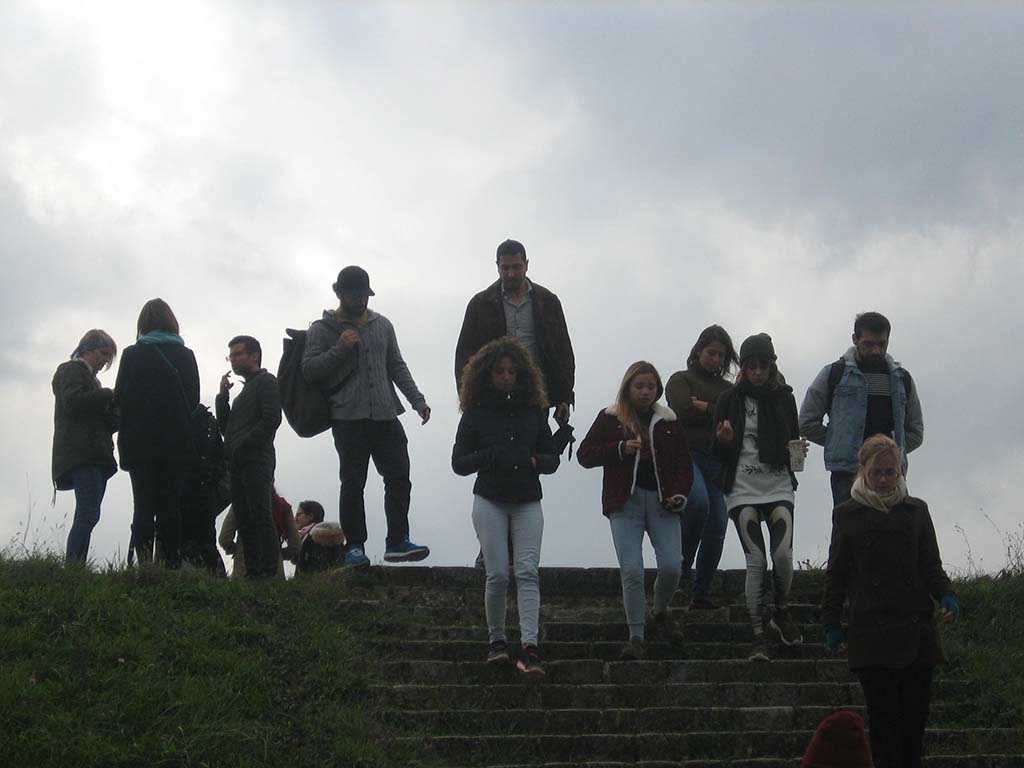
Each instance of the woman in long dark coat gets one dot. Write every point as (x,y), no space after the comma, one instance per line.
(83,422)
(157,391)
(884,558)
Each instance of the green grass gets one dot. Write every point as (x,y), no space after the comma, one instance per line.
(987,645)
(157,668)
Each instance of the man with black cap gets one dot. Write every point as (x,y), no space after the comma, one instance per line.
(864,393)
(352,354)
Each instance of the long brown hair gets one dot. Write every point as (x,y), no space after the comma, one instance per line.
(476,376)
(709,336)
(624,409)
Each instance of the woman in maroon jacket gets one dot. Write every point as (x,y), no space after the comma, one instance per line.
(647,476)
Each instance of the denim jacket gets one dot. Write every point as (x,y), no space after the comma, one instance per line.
(844,434)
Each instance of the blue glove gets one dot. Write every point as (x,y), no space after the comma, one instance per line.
(950,604)
(834,637)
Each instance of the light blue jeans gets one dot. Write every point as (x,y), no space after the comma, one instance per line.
(643,512)
(493,522)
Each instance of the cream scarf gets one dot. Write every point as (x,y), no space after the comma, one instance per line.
(860,492)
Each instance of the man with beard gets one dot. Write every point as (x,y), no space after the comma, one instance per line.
(352,354)
(864,393)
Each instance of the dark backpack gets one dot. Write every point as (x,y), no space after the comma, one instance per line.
(835,375)
(305,405)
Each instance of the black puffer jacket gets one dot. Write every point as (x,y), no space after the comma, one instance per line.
(497,439)
(82,423)
(155,425)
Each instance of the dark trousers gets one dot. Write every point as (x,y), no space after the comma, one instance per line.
(251,486)
(897,703)
(385,441)
(157,491)
(90,483)
(842,484)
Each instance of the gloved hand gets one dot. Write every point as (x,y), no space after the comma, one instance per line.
(950,607)
(834,638)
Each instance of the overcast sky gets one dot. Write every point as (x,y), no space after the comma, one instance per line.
(769,167)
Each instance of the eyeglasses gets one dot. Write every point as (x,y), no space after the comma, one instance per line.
(754,364)
(888,474)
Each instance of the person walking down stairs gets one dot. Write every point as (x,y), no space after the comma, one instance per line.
(504,439)
(648,473)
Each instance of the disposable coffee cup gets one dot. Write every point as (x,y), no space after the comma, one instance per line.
(797,451)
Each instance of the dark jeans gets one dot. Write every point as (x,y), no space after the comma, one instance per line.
(251,486)
(385,441)
(897,703)
(90,483)
(842,484)
(705,522)
(157,490)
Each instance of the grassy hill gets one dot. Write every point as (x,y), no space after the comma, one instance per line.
(149,667)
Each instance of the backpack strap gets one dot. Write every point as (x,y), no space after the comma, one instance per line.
(835,375)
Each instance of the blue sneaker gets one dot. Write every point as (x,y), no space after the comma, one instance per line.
(405,552)
(356,558)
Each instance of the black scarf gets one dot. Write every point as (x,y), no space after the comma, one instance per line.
(772,433)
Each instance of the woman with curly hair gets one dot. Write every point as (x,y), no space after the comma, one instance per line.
(648,472)
(504,439)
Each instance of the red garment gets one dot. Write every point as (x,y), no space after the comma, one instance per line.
(282,512)
(672,462)
(839,742)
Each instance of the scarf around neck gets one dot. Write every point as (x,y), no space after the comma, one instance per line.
(161,337)
(869,498)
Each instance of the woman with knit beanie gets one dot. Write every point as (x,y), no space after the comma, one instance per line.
(648,472)
(692,395)
(839,742)
(885,560)
(755,420)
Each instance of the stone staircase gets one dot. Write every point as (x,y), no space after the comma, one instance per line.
(699,704)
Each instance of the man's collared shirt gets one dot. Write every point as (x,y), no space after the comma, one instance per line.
(519,321)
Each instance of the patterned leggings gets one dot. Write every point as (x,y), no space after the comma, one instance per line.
(748,519)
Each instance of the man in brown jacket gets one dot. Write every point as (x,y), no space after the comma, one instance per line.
(516,306)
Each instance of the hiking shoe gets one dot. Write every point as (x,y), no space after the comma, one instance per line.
(663,628)
(529,662)
(702,603)
(759,649)
(633,650)
(405,552)
(497,653)
(788,631)
(356,558)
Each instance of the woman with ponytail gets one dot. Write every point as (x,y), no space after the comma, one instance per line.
(83,422)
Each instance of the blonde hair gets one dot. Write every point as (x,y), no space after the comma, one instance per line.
(95,339)
(875,446)
(624,409)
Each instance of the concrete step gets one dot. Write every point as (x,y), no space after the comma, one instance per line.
(532,749)
(935,761)
(597,612)
(462,650)
(566,581)
(589,671)
(467,722)
(552,695)
(693,626)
